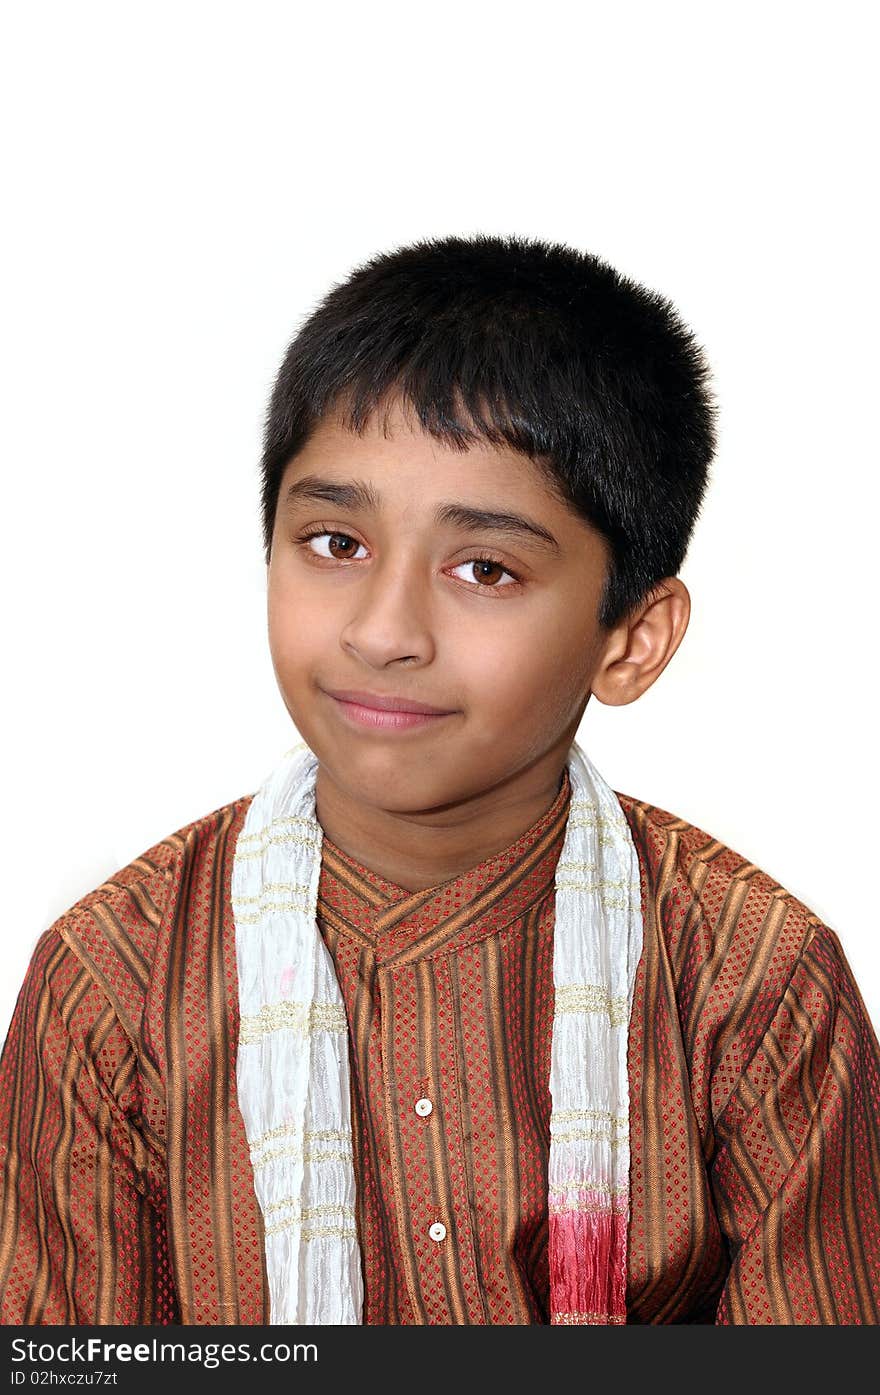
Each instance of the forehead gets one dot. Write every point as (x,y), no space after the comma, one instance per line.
(396,455)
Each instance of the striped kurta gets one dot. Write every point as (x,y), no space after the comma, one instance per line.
(754,1075)
(449,999)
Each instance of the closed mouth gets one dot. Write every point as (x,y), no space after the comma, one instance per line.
(382,702)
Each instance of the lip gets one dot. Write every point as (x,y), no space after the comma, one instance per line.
(385,712)
(389,703)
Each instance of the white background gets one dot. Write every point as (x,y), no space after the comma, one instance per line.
(182,182)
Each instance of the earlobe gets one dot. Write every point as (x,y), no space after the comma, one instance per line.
(638,650)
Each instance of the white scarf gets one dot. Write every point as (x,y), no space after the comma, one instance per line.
(293,1067)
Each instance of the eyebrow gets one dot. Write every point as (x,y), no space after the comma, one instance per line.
(357,494)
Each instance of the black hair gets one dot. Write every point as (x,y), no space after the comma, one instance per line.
(528,344)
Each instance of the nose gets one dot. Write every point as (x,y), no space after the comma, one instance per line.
(389,622)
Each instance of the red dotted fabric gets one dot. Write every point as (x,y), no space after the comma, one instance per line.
(127,1191)
(449,995)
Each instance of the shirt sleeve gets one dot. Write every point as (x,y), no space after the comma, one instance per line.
(82,1223)
(796,1168)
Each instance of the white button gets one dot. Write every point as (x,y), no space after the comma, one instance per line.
(437,1231)
(423,1108)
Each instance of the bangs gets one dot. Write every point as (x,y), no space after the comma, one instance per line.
(488,385)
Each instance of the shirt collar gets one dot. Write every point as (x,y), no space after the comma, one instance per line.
(403,925)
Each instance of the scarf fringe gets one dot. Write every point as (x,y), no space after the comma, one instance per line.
(588,1267)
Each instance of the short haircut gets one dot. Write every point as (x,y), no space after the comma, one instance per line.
(528,344)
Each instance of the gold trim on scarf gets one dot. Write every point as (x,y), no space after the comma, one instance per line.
(579,1319)
(605,1188)
(614,1128)
(311,1146)
(279,831)
(591,1135)
(302,1155)
(295,897)
(301,1215)
(589,997)
(304,1018)
(293,1131)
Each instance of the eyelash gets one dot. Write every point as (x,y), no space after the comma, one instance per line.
(516,580)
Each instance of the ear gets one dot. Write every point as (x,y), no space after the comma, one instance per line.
(638,649)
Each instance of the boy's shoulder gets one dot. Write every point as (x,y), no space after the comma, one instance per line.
(706,904)
(674,854)
(671,847)
(150,881)
(123,932)
(718,914)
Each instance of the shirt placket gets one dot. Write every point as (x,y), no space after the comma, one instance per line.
(418,1088)
(427,1174)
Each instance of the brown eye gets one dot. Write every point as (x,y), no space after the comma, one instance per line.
(341,545)
(489,572)
(337,547)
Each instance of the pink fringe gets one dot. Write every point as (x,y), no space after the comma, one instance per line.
(588,1263)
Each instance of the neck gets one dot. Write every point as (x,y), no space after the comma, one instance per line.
(417,850)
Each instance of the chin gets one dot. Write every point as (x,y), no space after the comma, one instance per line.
(395,790)
(386,783)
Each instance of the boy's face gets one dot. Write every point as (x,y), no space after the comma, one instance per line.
(401,592)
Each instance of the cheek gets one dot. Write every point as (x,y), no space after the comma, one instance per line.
(535,673)
(289,627)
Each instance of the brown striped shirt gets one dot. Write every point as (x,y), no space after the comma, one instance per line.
(449,997)
(754,1096)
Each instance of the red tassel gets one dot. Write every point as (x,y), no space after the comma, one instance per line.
(588,1266)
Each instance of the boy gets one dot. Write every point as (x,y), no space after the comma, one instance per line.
(436,1028)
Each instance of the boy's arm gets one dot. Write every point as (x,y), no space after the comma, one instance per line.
(82,1226)
(796,1170)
